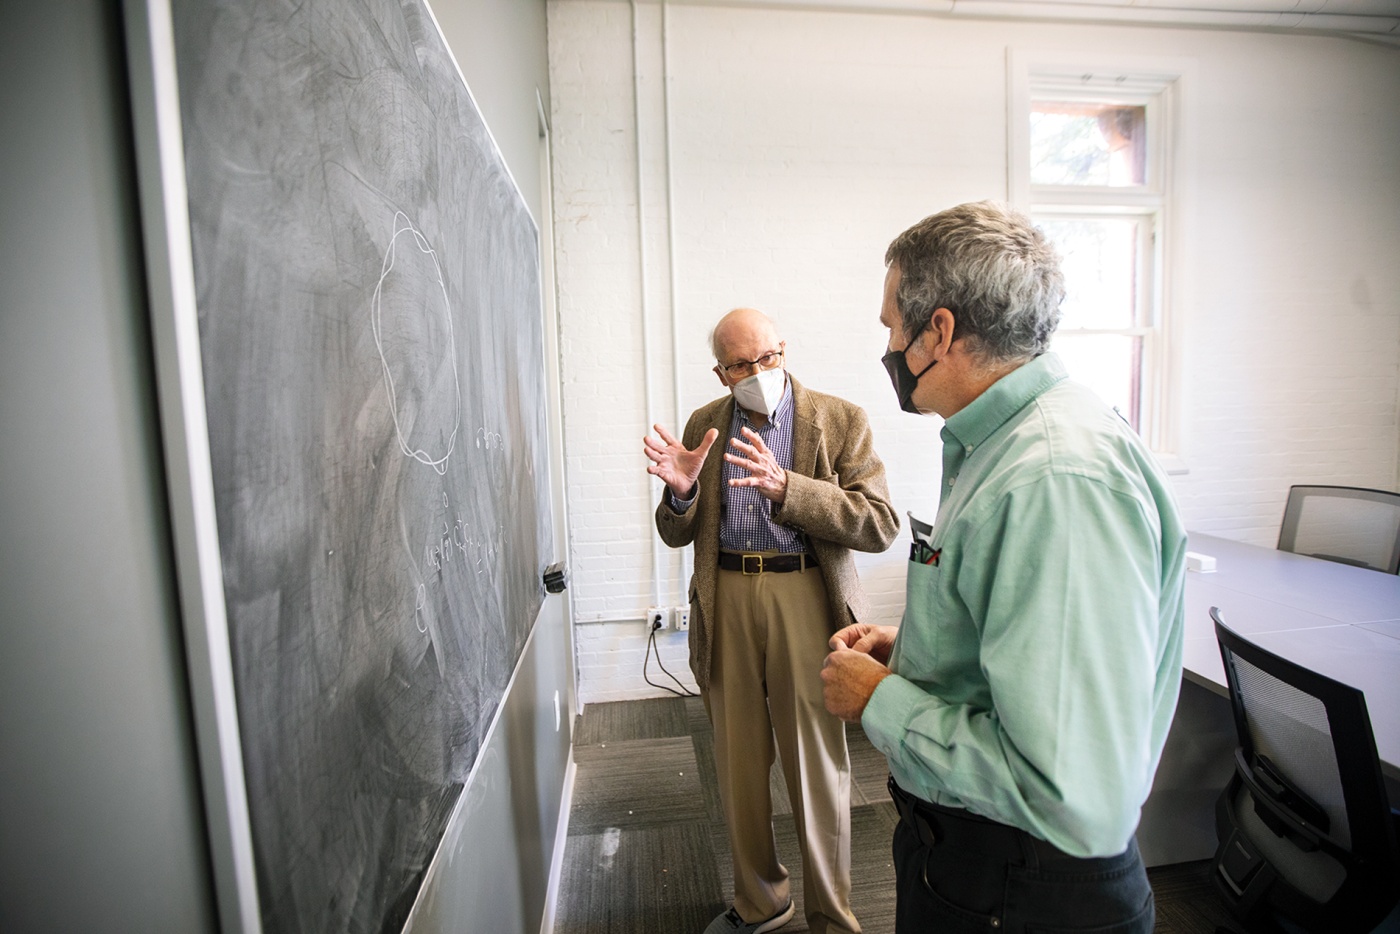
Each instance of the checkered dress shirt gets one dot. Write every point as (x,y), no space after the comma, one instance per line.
(746,516)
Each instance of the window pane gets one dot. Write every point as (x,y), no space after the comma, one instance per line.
(1109,364)
(1100,262)
(1079,143)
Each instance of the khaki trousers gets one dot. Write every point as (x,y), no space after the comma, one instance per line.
(770,639)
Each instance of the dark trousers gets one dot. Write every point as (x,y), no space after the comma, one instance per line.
(956,872)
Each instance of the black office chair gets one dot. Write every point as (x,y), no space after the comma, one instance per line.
(1349,524)
(1306,833)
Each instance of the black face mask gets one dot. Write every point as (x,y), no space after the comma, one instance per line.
(904,380)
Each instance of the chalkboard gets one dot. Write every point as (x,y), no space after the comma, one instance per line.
(367,280)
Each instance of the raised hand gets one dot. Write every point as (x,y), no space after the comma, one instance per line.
(677,467)
(764,472)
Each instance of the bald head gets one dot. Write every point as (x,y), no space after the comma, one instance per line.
(743,334)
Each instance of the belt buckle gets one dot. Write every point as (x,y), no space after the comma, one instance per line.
(745,564)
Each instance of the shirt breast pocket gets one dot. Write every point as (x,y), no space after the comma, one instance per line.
(918,632)
(937,636)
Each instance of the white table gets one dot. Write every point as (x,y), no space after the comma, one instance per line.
(1341,621)
(1337,620)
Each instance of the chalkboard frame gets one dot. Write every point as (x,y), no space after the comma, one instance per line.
(164,209)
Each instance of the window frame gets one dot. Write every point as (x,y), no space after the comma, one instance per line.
(1146,324)
(1159,85)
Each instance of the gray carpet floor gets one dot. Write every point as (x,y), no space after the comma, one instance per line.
(647,850)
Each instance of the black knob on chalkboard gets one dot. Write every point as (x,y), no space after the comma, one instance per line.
(556,577)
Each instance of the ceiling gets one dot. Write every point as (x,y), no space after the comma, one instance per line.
(1376,20)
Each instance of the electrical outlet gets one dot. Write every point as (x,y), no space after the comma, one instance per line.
(680,615)
(656,618)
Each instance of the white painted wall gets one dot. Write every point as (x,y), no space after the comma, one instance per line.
(802,142)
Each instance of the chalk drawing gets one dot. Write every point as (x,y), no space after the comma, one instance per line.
(402,225)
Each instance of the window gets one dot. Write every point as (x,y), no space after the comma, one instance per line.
(1106,328)
(1088,143)
(1090,158)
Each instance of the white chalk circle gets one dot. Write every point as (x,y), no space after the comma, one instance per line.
(412,322)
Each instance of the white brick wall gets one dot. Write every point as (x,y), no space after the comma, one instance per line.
(804,141)
(613,655)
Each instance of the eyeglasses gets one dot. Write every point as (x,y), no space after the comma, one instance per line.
(746,367)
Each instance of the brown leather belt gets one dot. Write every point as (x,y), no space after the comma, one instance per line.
(771,564)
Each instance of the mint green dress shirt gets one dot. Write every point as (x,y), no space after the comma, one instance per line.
(1037,667)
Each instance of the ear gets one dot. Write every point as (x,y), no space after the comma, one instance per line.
(720,373)
(940,332)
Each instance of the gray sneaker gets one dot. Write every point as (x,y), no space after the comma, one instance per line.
(731,923)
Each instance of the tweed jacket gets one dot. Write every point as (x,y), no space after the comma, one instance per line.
(836,496)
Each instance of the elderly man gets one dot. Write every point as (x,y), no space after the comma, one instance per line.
(773,525)
(1024,700)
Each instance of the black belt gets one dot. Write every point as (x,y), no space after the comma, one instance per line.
(772,564)
(937,825)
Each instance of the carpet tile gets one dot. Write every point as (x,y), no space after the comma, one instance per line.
(648,852)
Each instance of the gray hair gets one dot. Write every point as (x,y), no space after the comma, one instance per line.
(992,268)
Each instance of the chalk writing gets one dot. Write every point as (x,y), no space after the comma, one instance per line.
(458,541)
(489,440)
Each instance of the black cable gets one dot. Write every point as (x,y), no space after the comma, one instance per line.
(651,647)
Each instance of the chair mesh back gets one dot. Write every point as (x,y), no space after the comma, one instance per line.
(1290,727)
(1356,526)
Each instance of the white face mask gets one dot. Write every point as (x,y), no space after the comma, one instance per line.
(762,391)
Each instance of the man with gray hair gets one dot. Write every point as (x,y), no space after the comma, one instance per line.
(1024,700)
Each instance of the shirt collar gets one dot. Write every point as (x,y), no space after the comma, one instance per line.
(1003,399)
